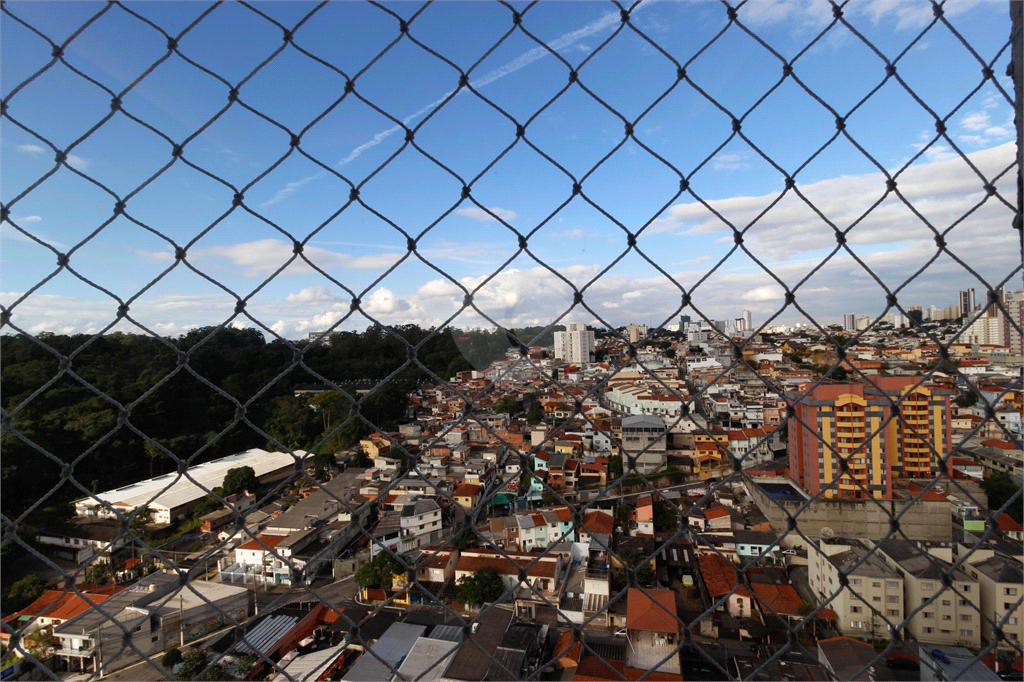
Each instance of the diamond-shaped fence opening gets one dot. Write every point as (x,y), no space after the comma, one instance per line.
(491,495)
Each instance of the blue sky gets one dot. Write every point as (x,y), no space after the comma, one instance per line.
(465,134)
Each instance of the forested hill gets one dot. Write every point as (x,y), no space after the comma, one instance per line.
(183,413)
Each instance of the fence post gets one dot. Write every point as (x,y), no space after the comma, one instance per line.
(1015,69)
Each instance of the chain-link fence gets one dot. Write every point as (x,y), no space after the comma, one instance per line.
(653,576)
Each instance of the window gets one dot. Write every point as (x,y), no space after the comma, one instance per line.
(1007,606)
(1011,621)
(946,602)
(924,600)
(876,599)
(858,624)
(964,602)
(892,612)
(855,582)
(928,614)
(927,587)
(947,618)
(893,599)
(1010,591)
(892,584)
(967,633)
(876,584)
(856,609)
(927,631)
(965,588)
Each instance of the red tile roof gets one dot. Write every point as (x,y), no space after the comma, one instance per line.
(716,512)
(1007,524)
(467,490)
(270,541)
(568,652)
(719,575)
(781,599)
(651,609)
(598,522)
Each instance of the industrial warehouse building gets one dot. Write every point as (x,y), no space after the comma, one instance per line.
(172,496)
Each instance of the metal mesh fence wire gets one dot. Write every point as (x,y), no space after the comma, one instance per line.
(114,633)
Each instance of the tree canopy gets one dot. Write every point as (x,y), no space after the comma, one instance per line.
(239,480)
(380,572)
(483,587)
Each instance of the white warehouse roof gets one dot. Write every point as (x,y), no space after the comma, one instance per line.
(173,490)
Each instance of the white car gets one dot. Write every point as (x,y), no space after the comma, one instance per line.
(620,633)
(790,552)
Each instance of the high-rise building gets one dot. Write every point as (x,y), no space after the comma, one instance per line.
(966,302)
(862,322)
(748,320)
(684,322)
(850,322)
(932,312)
(636,332)
(839,419)
(984,330)
(739,324)
(574,345)
(1014,304)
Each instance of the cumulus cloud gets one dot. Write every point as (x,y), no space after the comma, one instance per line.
(263,257)
(312,295)
(30,148)
(384,302)
(477,213)
(942,190)
(77,162)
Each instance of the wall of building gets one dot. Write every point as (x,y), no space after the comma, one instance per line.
(924,520)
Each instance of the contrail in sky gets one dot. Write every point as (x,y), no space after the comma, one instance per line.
(605,22)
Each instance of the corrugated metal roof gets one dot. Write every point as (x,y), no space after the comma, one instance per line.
(392,646)
(449,633)
(266,635)
(428,659)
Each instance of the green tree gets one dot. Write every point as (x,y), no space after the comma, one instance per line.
(463,538)
(969,399)
(239,480)
(171,658)
(246,664)
(25,591)
(1000,488)
(664,519)
(379,573)
(623,513)
(615,467)
(483,587)
(99,573)
(508,405)
(192,665)
(323,465)
(536,413)
(292,423)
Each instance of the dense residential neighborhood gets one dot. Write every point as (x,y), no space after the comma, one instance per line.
(670,503)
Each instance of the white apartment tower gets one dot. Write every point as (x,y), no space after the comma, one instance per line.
(850,322)
(575,344)
(748,320)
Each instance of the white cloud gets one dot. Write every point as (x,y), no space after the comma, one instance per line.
(28,219)
(312,295)
(943,190)
(261,258)
(632,295)
(477,213)
(30,148)
(78,163)
(730,162)
(764,293)
(384,302)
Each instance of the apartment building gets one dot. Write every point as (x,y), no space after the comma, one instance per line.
(640,432)
(873,597)
(839,419)
(1001,582)
(575,344)
(950,616)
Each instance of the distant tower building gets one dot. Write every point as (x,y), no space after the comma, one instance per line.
(1014,303)
(932,312)
(739,324)
(850,322)
(862,322)
(575,345)
(684,322)
(966,302)
(748,320)
(636,332)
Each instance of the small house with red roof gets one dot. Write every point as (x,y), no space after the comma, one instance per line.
(652,630)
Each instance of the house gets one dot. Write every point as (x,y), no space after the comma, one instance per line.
(720,581)
(939,664)
(652,630)
(642,517)
(467,495)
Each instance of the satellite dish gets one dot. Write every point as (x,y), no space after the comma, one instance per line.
(827,532)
